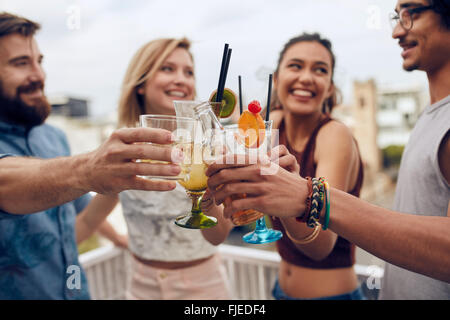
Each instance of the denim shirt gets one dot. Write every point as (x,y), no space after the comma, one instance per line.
(38,251)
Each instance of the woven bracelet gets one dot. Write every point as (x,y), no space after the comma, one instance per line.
(316,203)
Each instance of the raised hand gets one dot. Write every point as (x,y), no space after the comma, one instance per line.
(112,167)
(269,188)
(281,155)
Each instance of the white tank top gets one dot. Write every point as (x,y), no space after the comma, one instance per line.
(152,232)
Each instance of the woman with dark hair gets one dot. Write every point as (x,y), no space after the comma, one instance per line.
(315,264)
(413,237)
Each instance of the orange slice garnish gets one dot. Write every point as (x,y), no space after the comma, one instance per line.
(252,129)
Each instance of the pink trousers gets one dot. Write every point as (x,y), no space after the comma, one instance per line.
(205,281)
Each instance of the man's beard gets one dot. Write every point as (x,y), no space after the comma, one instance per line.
(16,111)
(411,67)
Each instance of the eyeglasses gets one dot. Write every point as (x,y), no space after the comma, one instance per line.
(405,16)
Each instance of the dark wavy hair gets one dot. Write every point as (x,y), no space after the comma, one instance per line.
(10,23)
(442,8)
(335,98)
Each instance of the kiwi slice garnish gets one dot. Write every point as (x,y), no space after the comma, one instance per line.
(229,100)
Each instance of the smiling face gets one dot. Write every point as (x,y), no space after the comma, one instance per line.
(303,80)
(426,46)
(22,81)
(174,80)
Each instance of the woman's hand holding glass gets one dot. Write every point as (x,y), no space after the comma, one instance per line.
(281,156)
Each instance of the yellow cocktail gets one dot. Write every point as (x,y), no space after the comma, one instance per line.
(197,178)
(195,186)
(184,165)
(183,132)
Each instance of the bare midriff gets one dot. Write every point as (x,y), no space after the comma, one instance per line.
(301,282)
(172,264)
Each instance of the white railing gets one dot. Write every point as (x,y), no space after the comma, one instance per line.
(252,272)
(107,271)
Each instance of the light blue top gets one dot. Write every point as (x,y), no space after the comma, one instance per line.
(38,252)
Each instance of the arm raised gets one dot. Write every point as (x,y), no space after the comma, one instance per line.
(30,185)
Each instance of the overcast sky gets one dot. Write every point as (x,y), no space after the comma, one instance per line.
(88,44)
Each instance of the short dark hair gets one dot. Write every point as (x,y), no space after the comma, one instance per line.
(10,23)
(332,101)
(442,8)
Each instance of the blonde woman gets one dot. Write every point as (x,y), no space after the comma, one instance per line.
(169,262)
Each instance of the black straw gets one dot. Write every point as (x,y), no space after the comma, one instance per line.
(240,96)
(269,97)
(224,78)
(222,68)
(223,72)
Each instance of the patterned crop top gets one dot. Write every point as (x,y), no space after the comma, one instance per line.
(153,234)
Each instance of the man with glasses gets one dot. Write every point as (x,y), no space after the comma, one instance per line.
(414,238)
(422,29)
(404,17)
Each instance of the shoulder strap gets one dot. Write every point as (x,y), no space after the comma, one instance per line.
(307,166)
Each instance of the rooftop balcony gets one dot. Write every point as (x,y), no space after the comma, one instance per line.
(252,272)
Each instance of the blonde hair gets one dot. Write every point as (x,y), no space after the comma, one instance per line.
(143,66)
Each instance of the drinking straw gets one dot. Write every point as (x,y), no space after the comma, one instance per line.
(269,97)
(222,70)
(224,78)
(240,96)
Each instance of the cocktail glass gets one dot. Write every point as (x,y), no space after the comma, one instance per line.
(195,187)
(183,131)
(204,152)
(235,143)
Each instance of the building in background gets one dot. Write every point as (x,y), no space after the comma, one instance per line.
(380,117)
(365,128)
(83,132)
(69,106)
(398,110)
